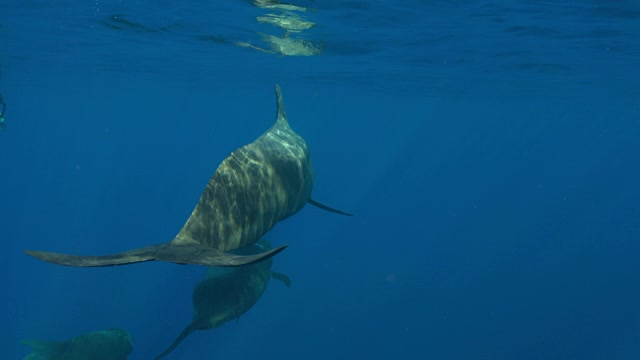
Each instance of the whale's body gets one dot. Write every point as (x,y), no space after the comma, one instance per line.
(226,294)
(254,188)
(112,344)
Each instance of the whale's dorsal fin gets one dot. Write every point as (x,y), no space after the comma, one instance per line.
(281,114)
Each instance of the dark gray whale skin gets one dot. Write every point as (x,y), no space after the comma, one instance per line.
(111,344)
(254,188)
(226,294)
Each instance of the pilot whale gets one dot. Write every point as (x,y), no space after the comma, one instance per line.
(228,293)
(254,188)
(112,344)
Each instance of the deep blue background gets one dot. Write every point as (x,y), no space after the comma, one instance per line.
(490,152)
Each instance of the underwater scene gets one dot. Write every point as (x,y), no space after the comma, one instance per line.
(308,179)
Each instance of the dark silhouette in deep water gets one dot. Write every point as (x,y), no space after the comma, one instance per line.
(255,187)
(112,344)
(226,294)
(3,109)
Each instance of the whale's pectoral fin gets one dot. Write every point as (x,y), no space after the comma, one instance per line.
(282,277)
(325,207)
(181,254)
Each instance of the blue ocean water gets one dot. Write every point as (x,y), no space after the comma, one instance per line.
(489,151)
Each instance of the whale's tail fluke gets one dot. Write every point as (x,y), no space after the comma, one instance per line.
(180,254)
(186,332)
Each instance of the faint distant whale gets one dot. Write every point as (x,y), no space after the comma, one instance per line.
(112,344)
(4,108)
(226,294)
(255,187)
